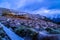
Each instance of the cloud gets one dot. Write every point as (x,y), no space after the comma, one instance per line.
(23,3)
(49,8)
(34,6)
(31,4)
(37,4)
(46,11)
(5,5)
(16,4)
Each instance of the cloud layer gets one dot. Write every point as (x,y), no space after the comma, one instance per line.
(26,4)
(33,6)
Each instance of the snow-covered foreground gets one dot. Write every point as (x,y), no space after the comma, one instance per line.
(11,34)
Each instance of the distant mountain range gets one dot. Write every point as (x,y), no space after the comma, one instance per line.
(55,19)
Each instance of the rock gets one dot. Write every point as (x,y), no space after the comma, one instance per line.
(50,38)
(25,31)
(52,31)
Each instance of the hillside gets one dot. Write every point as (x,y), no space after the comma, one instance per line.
(30,26)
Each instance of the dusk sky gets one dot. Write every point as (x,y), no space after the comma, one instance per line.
(33,6)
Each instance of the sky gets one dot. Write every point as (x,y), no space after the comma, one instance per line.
(43,7)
